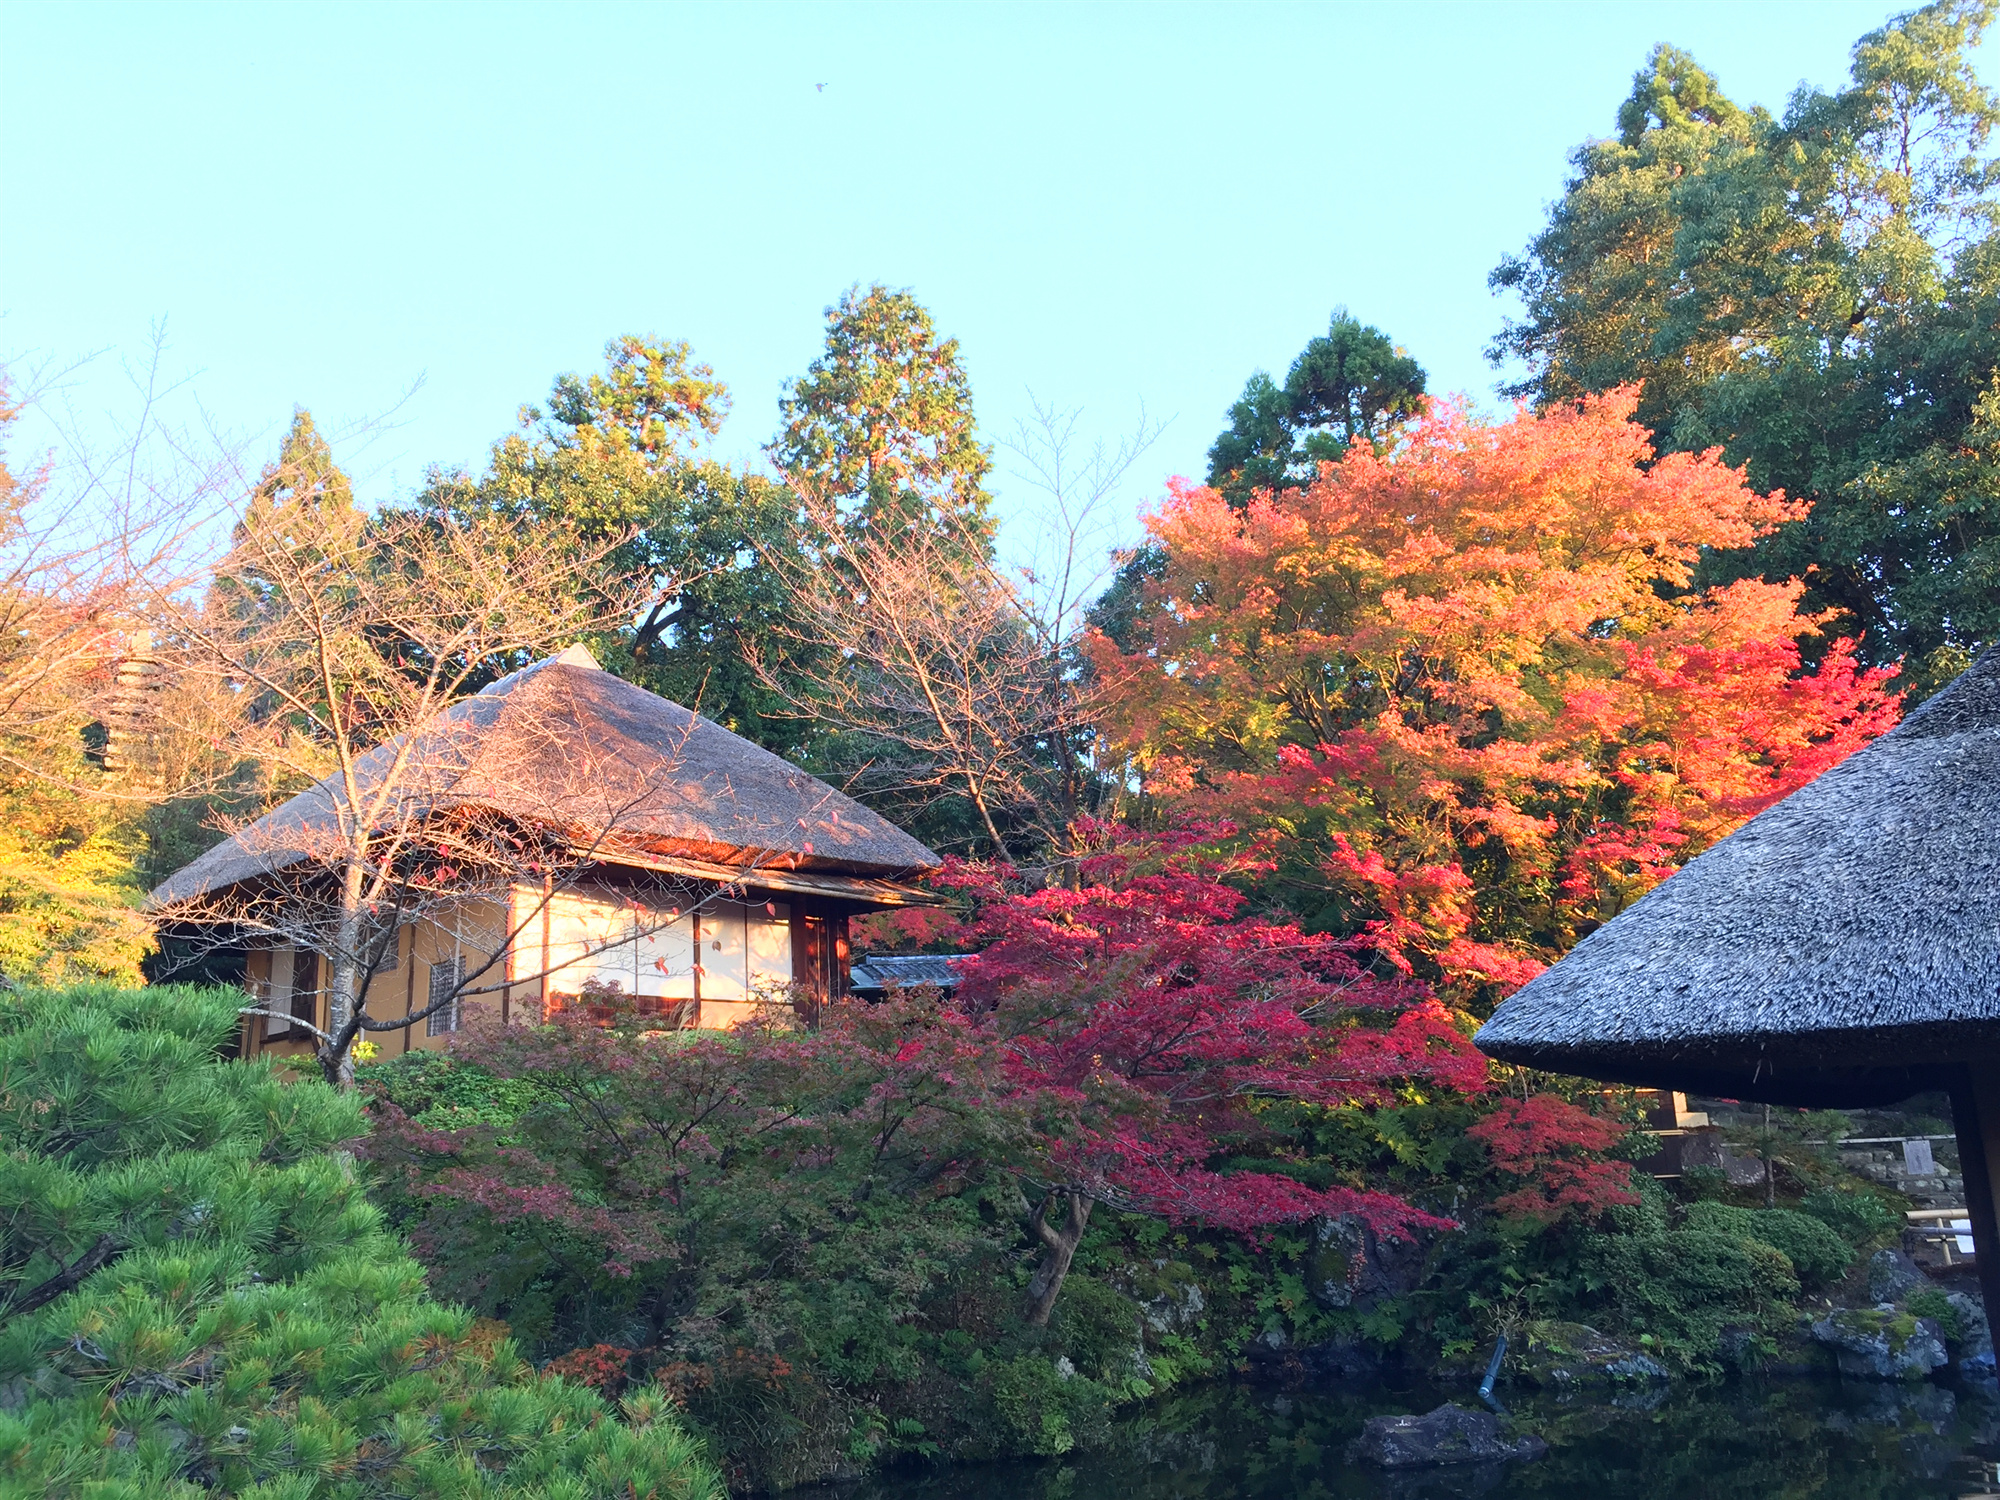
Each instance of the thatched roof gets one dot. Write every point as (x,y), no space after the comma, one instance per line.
(564,744)
(1841,947)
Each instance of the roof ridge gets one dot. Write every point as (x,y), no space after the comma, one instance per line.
(576,654)
(1970,700)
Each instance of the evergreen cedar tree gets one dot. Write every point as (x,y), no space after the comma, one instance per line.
(1816,293)
(881,425)
(882,421)
(1470,688)
(1350,385)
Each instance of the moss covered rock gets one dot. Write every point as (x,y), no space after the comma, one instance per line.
(1871,1344)
(1562,1355)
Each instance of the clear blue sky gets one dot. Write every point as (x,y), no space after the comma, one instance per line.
(1107,204)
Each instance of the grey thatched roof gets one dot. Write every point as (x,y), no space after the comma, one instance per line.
(563,743)
(1841,947)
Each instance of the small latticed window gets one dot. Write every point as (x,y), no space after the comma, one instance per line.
(380,942)
(446,976)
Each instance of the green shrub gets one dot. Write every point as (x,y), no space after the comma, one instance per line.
(1652,1214)
(1817,1254)
(1704,1184)
(1687,1285)
(1932,1302)
(1097,1327)
(1857,1216)
(443,1092)
(249,1327)
(1045,1409)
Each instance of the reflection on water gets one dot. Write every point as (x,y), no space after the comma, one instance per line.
(1781,1441)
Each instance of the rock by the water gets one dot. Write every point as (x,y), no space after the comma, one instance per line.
(1892,1276)
(1449,1435)
(1568,1354)
(1872,1345)
(1975,1345)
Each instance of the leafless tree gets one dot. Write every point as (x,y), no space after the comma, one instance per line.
(952,672)
(88,529)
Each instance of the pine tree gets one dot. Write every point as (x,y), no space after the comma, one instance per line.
(196,1297)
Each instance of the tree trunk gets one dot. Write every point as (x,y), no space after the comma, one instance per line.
(1058,1250)
(1000,854)
(337,1055)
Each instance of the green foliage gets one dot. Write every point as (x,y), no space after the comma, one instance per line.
(440,1091)
(199,1297)
(1349,385)
(1702,1183)
(881,423)
(1816,1252)
(1857,1215)
(1045,1410)
(691,1196)
(1098,1329)
(1686,1285)
(1815,293)
(1934,1302)
(618,458)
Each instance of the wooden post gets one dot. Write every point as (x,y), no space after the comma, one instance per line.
(548,898)
(1975,1109)
(410,990)
(694,928)
(809,946)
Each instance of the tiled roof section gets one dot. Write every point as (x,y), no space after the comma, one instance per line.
(884,972)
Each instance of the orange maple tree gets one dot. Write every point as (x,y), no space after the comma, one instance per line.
(1471,684)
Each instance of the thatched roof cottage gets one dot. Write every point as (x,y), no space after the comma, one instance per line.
(708,872)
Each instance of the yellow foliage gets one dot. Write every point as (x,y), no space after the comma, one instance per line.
(69,888)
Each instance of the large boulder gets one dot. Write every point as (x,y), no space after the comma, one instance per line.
(1892,1276)
(1975,1341)
(1350,1266)
(1449,1435)
(1878,1344)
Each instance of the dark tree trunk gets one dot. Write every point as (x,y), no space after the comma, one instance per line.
(1058,1250)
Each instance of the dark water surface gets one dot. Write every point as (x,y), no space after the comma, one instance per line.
(1785,1440)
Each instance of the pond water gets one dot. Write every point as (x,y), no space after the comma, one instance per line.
(1791,1439)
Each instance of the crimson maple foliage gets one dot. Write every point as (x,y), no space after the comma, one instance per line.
(1471,685)
(1145,1018)
(1557,1148)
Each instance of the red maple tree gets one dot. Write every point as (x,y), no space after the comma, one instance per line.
(1557,1149)
(1146,1016)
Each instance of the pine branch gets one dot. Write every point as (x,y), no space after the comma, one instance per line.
(65,1280)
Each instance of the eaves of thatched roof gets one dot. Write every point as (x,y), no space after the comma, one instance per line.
(567,745)
(1841,947)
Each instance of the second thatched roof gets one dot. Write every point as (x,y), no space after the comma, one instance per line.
(563,743)
(1842,947)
